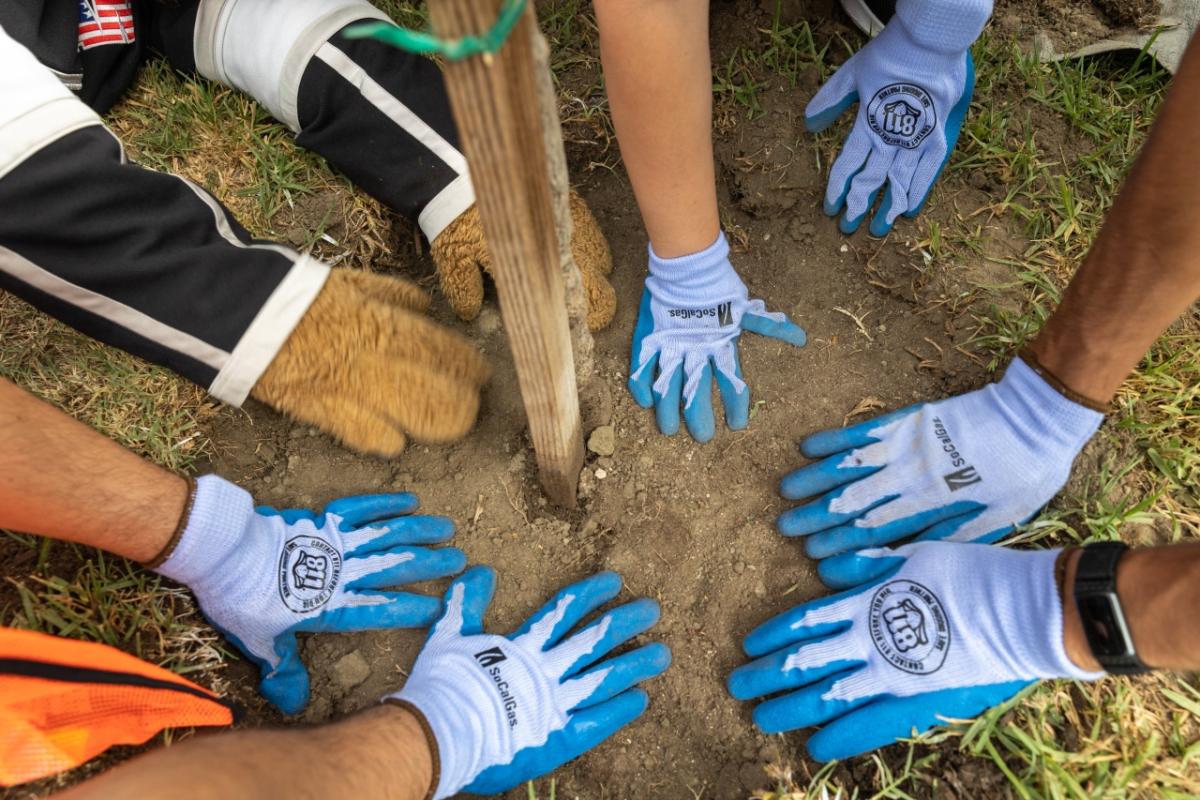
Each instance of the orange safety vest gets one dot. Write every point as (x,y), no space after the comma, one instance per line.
(63,701)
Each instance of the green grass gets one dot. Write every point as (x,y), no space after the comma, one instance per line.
(112,601)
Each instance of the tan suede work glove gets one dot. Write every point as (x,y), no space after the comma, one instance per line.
(461,256)
(365,365)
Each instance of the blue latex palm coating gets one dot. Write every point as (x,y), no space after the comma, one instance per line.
(612,705)
(850,727)
(587,728)
(890,719)
(954,124)
(287,685)
(698,415)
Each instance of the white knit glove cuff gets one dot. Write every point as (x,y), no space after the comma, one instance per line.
(945,26)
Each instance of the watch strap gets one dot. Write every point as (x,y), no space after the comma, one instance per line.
(1100,610)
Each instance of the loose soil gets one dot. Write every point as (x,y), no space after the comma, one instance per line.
(689,525)
(686,524)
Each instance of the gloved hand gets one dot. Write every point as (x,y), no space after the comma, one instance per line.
(968,468)
(367,366)
(461,256)
(940,631)
(693,311)
(261,575)
(502,711)
(913,84)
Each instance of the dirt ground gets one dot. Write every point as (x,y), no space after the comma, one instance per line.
(688,525)
(691,526)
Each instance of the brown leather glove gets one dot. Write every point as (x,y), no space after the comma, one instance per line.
(461,257)
(367,366)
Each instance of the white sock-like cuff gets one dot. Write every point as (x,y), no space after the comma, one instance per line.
(693,278)
(945,26)
(1022,388)
(1048,655)
(220,512)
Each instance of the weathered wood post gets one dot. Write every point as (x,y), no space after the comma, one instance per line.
(496,106)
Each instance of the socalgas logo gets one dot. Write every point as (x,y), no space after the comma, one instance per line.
(909,627)
(490,661)
(721,314)
(309,569)
(902,114)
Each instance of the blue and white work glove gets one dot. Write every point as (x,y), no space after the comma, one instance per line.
(504,710)
(968,468)
(261,575)
(942,631)
(913,85)
(693,311)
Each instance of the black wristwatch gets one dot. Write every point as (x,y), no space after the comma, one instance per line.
(1100,609)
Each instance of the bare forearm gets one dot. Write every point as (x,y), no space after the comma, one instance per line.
(658,73)
(1159,589)
(381,753)
(1144,269)
(61,479)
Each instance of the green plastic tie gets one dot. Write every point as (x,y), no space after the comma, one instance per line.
(450,49)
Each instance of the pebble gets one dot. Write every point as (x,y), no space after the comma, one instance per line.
(601,474)
(760,589)
(350,670)
(603,441)
(844,248)
(739,567)
(293,462)
(267,452)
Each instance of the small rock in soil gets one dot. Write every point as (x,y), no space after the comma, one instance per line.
(350,670)
(603,441)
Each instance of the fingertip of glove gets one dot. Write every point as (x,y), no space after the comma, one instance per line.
(848,224)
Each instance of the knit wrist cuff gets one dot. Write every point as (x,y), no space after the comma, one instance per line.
(944,26)
(184,516)
(1031,360)
(220,512)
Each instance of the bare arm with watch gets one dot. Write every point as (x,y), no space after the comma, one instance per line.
(944,631)
(942,628)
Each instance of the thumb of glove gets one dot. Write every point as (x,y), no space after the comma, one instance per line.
(287,685)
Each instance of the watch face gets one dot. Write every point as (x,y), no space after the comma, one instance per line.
(1104,624)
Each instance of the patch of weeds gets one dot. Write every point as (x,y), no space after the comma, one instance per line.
(112,601)
(146,409)
(779,56)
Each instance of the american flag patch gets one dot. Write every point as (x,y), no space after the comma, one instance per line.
(104,22)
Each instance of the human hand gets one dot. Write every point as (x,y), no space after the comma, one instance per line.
(913,84)
(504,710)
(693,312)
(261,575)
(366,365)
(461,256)
(968,468)
(940,631)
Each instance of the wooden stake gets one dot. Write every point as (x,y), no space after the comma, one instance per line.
(496,107)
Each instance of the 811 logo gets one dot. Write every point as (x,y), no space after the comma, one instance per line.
(309,569)
(909,627)
(902,115)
